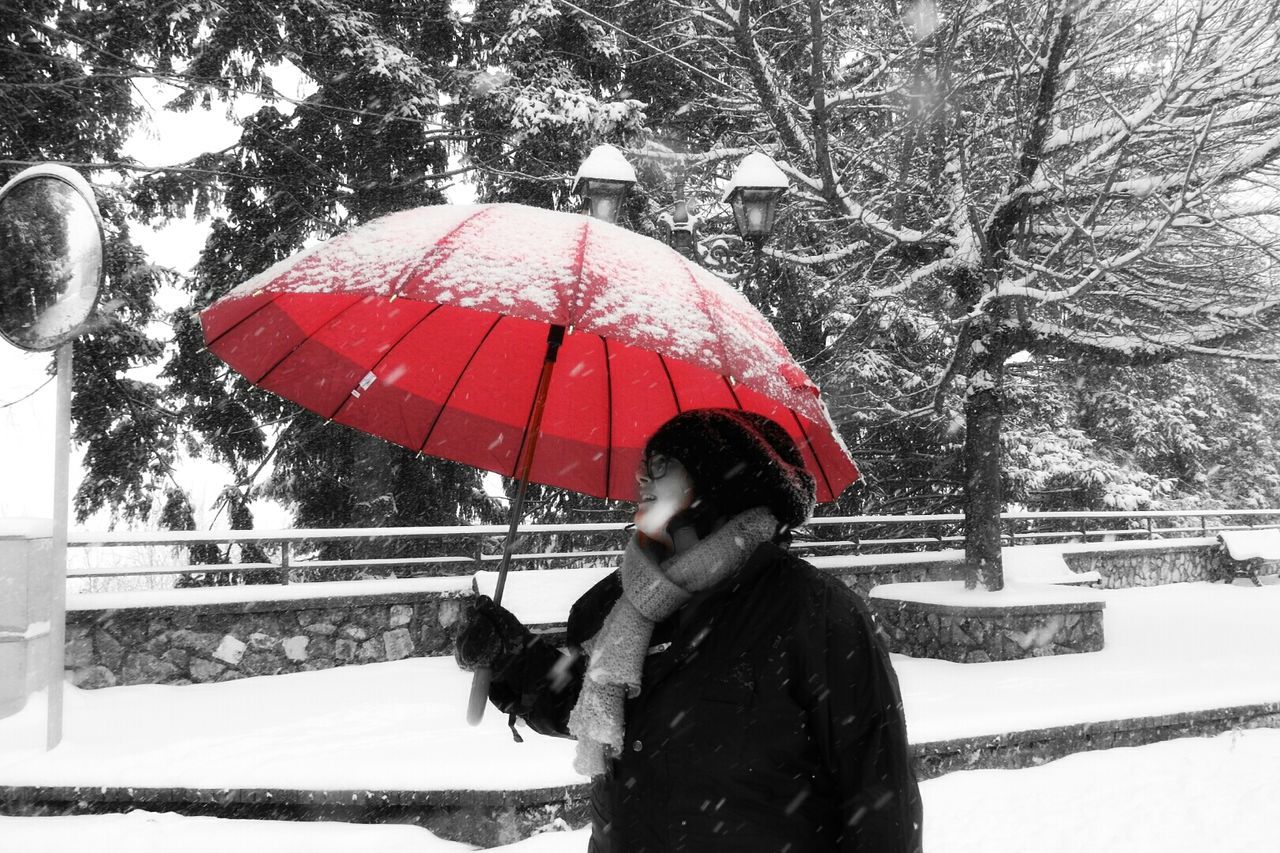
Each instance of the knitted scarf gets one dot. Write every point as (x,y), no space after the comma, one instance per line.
(650,593)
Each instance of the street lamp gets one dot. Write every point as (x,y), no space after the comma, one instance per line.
(753,193)
(603,179)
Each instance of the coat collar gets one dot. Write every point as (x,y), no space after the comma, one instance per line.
(689,626)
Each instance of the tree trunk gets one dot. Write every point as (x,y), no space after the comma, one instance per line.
(984,412)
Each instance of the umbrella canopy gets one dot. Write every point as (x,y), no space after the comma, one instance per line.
(429,328)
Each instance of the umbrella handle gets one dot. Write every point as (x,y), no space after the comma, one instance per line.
(479,695)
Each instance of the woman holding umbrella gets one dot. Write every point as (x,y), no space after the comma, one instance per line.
(725,695)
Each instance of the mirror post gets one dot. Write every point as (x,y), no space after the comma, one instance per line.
(61,510)
(51,243)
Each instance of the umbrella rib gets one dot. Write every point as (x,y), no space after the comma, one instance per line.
(571,314)
(662,360)
(461,373)
(383,357)
(817,459)
(608,415)
(437,258)
(732,393)
(238,323)
(702,306)
(275,296)
(309,336)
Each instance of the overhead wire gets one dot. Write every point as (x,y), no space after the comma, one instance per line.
(658,50)
(28,395)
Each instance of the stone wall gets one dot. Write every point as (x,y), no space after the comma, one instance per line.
(863,577)
(1135,564)
(184,636)
(1149,564)
(984,634)
(221,641)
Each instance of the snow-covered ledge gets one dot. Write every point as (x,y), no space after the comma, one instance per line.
(944,620)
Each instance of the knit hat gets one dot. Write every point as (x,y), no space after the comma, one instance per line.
(738,460)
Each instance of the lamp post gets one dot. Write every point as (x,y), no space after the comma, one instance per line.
(680,228)
(752,195)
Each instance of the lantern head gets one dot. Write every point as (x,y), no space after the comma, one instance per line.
(603,180)
(753,193)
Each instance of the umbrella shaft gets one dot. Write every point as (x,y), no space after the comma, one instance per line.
(555,337)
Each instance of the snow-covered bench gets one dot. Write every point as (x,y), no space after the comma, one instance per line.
(1043,564)
(1244,552)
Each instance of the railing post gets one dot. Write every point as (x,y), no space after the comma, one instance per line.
(1150,533)
(1084,530)
(284,562)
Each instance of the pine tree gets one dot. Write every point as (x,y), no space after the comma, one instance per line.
(370,139)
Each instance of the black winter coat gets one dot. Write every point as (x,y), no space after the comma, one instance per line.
(769,719)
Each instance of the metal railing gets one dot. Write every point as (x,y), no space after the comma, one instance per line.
(472,548)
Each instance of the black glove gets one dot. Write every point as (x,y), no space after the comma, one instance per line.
(486,633)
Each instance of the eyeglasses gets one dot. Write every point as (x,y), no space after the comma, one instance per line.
(653,467)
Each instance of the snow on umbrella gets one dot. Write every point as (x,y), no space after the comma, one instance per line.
(541,345)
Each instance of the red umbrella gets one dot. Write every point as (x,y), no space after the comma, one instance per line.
(540,345)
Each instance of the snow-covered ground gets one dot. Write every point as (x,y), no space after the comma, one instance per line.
(399,726)
(1199,795)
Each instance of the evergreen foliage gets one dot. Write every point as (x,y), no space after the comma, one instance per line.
(369,140)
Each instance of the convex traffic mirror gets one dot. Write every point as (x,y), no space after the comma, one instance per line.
(50,256)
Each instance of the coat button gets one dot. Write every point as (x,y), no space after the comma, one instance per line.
(637,746)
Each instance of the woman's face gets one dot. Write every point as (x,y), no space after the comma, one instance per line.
(663,488)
